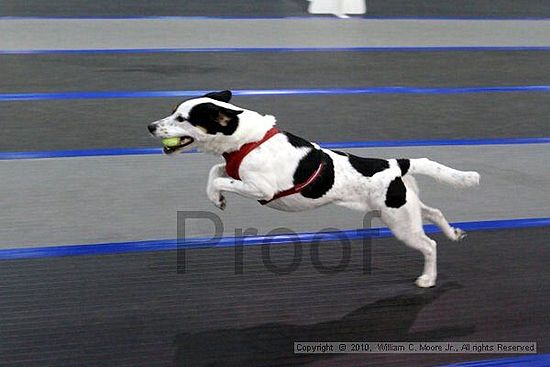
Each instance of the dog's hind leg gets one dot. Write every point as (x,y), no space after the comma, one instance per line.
(436,217)
(406,224)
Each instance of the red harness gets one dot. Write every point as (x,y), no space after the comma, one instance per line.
(233,162)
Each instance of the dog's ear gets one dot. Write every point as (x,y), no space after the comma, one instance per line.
(214,118)
(222,96)
(226,115)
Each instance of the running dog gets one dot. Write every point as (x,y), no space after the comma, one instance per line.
(288,173)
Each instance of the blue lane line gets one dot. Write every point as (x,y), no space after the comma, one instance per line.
(276,49)
(539,360)
(424,143)
(80,153)
(298,17)
(328,145)
(9,97)
(172,244)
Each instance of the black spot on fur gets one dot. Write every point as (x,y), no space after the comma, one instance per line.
(214,119)
(222,96)
(396,194)
(404,165)
(368,166)
(296,141)
(307,166)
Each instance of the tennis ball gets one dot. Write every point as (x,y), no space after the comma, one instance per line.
(171,142)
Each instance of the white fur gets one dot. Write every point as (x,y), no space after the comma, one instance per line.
(269,169)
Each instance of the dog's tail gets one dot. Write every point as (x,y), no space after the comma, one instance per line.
(424,166)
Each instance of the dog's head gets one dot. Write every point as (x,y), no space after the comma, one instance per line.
(199,120)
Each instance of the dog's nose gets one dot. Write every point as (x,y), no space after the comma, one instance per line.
(151,128)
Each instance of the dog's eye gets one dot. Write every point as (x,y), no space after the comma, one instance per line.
(180,118)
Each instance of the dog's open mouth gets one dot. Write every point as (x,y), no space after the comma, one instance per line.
(174,145)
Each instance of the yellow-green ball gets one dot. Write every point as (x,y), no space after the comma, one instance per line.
(171,142)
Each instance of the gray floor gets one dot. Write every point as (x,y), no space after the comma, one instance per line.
(271,70)
(48,34)
(275,8)
(72,202)
(353,117)
(136,310)
(81,124)
(467,8)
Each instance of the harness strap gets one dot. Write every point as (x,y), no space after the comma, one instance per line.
(296,188)
(233,162)
(233,159)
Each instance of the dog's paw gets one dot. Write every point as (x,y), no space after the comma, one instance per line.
(425,281)
(459,234)
(218,200)
(221,202)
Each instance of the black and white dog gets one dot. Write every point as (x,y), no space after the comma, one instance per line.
(288,173)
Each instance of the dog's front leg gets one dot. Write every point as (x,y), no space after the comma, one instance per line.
(214,194)
(258,191)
